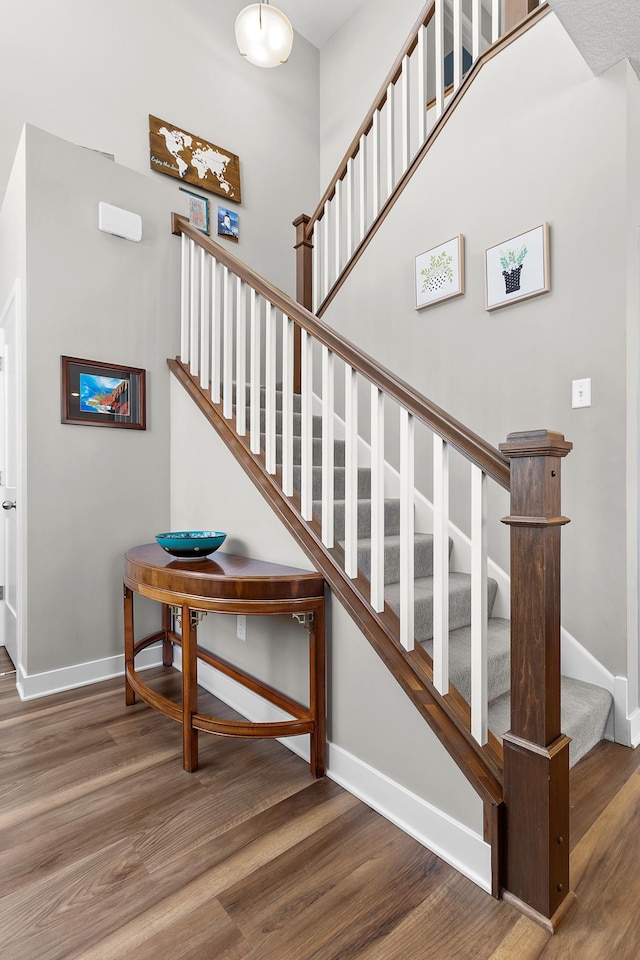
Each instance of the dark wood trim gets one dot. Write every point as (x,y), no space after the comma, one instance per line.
(482,60)
(376,627)
(469,444)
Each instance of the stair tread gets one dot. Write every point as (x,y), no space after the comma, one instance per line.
(584,713)
(498,658)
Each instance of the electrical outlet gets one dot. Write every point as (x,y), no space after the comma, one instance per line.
(581,393)
(241,629)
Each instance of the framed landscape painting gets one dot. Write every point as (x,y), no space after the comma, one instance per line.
(439,273)
(517,269)
(102,394)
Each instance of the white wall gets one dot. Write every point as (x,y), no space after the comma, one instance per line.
(92,73)
(526,145)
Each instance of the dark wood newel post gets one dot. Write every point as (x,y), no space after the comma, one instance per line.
(304,286)
(536,753)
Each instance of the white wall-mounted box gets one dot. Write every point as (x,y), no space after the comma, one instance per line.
(119,222)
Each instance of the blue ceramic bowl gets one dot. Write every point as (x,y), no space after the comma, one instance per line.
(191,544)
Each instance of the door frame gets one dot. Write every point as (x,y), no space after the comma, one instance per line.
(11,314)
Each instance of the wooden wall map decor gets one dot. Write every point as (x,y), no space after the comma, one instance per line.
(186,157)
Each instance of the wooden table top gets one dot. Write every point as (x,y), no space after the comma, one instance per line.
(220,576)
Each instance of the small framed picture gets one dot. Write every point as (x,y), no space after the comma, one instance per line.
(228,224)
(440,273)
(198,210)
(517,269)
(102,394)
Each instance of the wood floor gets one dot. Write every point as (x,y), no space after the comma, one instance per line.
(108,849)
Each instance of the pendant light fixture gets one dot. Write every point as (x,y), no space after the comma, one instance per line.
(264,35)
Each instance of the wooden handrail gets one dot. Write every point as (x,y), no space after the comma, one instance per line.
(468,443)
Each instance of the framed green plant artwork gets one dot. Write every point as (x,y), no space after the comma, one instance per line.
(440,273)
(518,268)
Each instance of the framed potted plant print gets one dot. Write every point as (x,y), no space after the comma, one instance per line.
(439,273)
(102,394)
(517,269)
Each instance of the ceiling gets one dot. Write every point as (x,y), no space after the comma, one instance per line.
(317,20)
(604,31)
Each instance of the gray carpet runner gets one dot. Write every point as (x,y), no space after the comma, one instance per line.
(585,707)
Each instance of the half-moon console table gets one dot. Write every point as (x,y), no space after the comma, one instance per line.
(234,585)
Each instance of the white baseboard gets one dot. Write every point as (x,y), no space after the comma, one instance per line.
(32,686)
(453,842)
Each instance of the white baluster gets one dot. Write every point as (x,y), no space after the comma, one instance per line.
(306,428)
(479,626)
(423,94)
(287,405)
(375,161)
(476,28)
(185,275)
(194,303)
(216,331)
(391,139)
(407,484)
(351,472)
(205,326)
(337,222)
(362,157)
(457,44)
(377,499)
(439,57)
(316,257)
(440,564)
(241,359)
(495,20)
(326,236)
(270,389)
(349,204)
(227,347)
(406,113)
(254,401)
(327,447)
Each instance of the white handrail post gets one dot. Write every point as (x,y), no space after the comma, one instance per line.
(194,303)
(287,405)
(227,348)
(375,162)
(337,216)
(254,402)
(363,186)
(423,95)
(391,140)
(270,389)
(327,447)
(377,499)
(351,472)
(241,359)
(440,564)
(205,327)
(479,605)
(185,274)
(407,486)
(306,426)
(439,57)
(457,43)
(350,198)
(215,331)
(476,28)
(406,112)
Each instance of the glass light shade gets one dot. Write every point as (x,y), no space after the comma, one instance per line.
(264,35)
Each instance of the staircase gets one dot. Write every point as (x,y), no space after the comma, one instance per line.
(585,707)
(256,363)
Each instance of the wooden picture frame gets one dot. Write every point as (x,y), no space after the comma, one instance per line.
(517,269)
(99,394)
(439,273)
(180,154)
(198,210)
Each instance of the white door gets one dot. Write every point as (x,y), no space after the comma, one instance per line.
(8,482)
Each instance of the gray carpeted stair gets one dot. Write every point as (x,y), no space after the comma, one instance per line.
(585,708)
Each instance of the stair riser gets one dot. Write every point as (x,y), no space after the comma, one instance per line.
(422,560)
(316,428)
(391,517)
(316,455)
(459,604)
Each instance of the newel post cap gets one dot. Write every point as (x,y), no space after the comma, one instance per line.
(535,443)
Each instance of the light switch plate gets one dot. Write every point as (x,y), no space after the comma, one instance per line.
(581,393)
